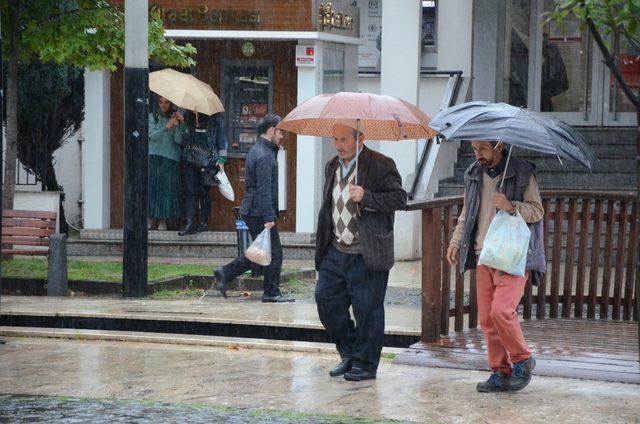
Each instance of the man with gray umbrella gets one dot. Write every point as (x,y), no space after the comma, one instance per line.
(499,293)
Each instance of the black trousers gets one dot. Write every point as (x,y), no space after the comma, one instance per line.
(271,272)
(344,282)
(194,186)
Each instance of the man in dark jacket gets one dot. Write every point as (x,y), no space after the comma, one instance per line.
(354,250)
(259,209)
(499,293)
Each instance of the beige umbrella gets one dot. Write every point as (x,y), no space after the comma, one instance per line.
(186,91)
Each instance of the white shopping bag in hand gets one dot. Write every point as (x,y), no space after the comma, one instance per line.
(225,186)
(260,250)
(506,244)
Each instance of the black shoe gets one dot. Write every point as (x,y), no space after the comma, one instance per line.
(358,374)
(202,227)
(221,282)
(497,382)
(343,367)
(2,342)
(276,299)
(188,229)
(521,374)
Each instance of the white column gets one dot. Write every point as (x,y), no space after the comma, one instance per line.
(455,25)
(309,167)
(350,67)
(400,76)
(96,150)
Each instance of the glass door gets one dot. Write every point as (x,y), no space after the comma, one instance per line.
(617,107)
(566,71)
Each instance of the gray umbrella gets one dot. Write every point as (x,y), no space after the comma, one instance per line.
(514,126)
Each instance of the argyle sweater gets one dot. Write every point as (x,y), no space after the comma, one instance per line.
(345,224)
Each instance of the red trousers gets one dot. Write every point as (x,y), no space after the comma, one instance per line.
(498,297)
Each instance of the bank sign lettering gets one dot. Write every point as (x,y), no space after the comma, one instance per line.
(203,16)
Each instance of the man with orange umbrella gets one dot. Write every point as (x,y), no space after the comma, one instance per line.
(354,239)
(354,250)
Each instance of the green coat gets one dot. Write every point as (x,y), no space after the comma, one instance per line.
(164,142)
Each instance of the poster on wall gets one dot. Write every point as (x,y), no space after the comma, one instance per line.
(371,32)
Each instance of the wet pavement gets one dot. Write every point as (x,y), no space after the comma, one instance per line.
(124,381)
(51,409)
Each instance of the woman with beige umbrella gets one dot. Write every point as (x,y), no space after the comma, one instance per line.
(166,132)
(204,142)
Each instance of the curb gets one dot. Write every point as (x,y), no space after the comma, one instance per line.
(177,339)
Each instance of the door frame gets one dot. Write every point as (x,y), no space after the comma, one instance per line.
(591,116)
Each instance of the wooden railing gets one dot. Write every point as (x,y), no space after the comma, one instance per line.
(590,273)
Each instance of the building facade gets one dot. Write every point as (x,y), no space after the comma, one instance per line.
(268,56)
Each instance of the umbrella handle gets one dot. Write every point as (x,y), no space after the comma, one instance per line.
(504,173)
(357,148)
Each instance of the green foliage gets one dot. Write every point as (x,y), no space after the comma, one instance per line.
(608,16)
(611,23)
(86,34)
(50,111)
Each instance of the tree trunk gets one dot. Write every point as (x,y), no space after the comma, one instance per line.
(50,183)
(12,106)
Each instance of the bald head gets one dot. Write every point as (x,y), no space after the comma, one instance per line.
(344,138)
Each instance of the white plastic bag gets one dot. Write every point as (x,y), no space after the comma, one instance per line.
(260,250)
(506,244)
(225,186)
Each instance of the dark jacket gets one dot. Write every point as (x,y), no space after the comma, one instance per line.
(383,195)
(516,181)
(261,182)
(216,134)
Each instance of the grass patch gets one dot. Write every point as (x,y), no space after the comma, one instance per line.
(98,271)
(389,356)
(172,294)
(297,287)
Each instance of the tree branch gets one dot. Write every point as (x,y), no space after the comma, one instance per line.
(632,41)
(611,64)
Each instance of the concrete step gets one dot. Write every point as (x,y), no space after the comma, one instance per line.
(599,149)
(614,180)
(456,188)
(168,244)
(450,188)
(179,249)
(609,135)
(213,316)
(548,163)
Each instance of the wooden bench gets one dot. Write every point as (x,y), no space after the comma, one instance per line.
(33,233)
(27,228)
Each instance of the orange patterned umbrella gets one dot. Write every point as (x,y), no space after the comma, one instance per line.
(378,117)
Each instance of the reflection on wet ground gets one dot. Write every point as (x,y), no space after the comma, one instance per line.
(48,409)
(244,379)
